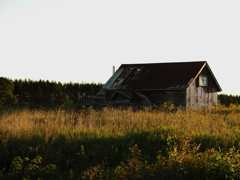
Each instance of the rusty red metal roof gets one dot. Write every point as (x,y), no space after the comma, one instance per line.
(174,75)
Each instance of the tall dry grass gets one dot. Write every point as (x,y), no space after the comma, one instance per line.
(79,142)
(117,122)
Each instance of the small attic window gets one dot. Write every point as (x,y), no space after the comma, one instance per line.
(203,80)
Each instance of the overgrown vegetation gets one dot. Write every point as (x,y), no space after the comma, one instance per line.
(49,138)
(120,144)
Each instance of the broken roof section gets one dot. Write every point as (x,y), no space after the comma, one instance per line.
(157,76)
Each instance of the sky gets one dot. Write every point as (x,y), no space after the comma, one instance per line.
(81,40)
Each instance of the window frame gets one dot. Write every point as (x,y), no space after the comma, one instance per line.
(203,80)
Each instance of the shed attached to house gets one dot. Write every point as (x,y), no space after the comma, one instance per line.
(187,84)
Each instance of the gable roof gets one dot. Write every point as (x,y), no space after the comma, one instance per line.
(157,76)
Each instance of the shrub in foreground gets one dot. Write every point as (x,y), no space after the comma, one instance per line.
(183,163)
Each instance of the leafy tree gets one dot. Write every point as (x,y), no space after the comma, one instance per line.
(6,92)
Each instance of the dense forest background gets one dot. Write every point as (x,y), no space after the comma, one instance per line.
(45,93)
(51,94)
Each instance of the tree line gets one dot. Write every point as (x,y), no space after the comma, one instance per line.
(45,93)
(226,100)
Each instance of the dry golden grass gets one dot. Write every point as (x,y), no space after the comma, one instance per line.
(163,144)
(116,122)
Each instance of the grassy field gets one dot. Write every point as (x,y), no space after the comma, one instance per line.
(120,144)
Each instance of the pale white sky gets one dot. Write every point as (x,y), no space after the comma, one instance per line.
(80,40)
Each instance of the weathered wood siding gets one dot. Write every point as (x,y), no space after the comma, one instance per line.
(200,96)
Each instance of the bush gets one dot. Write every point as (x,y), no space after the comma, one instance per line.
(30,169)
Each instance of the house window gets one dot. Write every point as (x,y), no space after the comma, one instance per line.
(203,80)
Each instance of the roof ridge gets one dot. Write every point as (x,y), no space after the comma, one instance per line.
(166,63)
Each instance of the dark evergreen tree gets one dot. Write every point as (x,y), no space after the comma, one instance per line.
(6,92)
(228,99)
(45,93)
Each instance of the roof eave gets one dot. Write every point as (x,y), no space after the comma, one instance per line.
(206,64)
(159,89)
(219,87)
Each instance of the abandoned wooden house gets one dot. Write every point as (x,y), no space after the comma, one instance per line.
(186,84)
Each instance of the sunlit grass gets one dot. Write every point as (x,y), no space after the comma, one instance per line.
(77,140)
(115,122)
